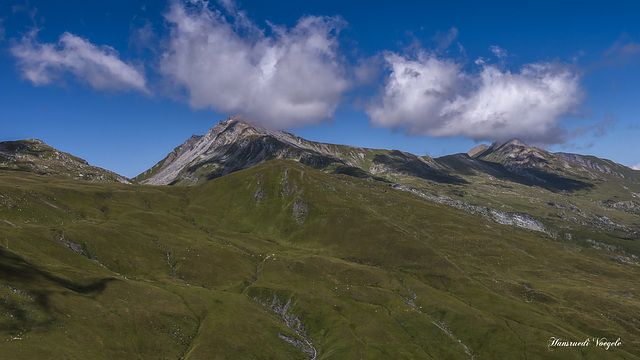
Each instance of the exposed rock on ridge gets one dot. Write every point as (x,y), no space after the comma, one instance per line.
(33,155)
(229,146)
(234,145)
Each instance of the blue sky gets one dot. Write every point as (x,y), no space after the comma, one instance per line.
(121,83)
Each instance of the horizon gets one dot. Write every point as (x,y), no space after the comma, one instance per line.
(123,78)
(486,146)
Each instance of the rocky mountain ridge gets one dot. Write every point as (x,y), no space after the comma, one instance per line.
(515,153)
(229,146)
(34,155)
(234,144)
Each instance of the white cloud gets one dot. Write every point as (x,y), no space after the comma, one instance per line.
(100,67)
(415,91)
(636,166)
(291,77)
(498,51)
(434,96)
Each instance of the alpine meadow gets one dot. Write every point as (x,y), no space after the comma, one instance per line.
(272,246)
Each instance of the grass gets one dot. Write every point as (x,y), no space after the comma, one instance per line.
(126,271)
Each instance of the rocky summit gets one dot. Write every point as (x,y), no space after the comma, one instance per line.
(272,246)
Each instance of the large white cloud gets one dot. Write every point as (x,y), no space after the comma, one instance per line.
(428,95)
(100,67)
(291,77)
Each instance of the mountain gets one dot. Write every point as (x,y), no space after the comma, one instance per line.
(234,144)
(289,249)
(500,182)
(35,156)
(519,157)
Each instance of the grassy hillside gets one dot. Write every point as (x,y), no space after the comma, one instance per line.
(284,261)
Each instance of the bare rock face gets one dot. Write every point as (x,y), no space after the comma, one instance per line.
(229,146)
(234,145)
(586,162)
(477,150)
(516,152)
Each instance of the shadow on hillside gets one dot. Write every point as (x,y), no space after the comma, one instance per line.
(357,172)
(413,166)
(536,177)
(529,176)
(15,269)
(554,182)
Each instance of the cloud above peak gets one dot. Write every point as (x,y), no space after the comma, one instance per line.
(98,66)
(428,95)
(290,77)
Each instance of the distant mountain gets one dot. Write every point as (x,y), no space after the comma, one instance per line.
(35,156)
(560,171)
(515,154)
(234,144)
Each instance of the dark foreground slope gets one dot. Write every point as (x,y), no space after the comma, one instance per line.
(284,261)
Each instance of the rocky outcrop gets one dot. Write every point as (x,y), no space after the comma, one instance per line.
(520,220)
(35,156)
(588,163)
(477,150)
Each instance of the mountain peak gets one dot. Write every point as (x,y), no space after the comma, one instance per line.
(230,145)
(234,121)
(510,148)
(235,144)
(514,151)
(510,143)
(238,122)
(235,127)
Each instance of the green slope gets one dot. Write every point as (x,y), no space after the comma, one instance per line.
(284,261)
